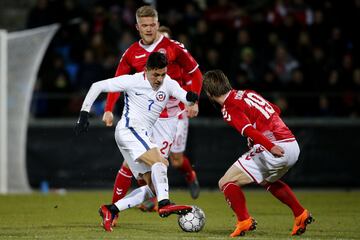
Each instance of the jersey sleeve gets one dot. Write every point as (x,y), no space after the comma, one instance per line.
(241,122)
(236,119)
(178,92)
(117,84)
(184,58)
(193,81)
(122,68)
(258,138)
(190,67)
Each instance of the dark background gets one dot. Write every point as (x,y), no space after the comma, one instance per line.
(327,159)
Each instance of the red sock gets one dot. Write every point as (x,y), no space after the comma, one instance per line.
(283,192)
(187,169)
(122,183)
(236,199)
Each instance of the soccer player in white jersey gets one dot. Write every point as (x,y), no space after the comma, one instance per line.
(185,70)
(273,152)
(146,94)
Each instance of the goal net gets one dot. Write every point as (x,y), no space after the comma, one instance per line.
(21,54)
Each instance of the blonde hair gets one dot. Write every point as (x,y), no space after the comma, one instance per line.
(146,11)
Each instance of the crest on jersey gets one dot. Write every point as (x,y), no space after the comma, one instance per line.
(162,50)
(160,96)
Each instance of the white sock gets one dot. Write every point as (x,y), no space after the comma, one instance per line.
(134,198)
(160,180)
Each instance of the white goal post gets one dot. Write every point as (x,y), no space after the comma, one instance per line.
(3,112)
(21,54)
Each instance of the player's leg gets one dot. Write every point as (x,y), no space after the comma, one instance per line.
(150,205)
(230,184)
(122,182)
(179,160)
(282,191)
(132,144)
(121,186)
(163,134)
(140,169)
(134,198)
(160,183)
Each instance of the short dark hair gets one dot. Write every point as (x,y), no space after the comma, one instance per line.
(215,83)
(156,60)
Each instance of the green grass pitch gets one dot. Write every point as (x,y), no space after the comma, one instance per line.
(74,216)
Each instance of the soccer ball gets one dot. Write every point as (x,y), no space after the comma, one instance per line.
(193,221)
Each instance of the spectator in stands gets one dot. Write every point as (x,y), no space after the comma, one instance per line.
(283,64)
(317,38)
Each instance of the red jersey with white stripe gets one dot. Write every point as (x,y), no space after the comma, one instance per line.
(244,109)
(180,62)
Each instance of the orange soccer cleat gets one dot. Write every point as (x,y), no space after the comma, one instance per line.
(301,222)
(107,218)
(244,226)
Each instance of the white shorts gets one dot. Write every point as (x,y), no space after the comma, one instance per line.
(163,134)
(133,143)
(182,128)
(259,164)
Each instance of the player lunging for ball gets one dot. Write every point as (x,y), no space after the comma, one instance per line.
(146,94)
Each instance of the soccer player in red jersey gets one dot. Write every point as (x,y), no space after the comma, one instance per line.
(274,150)
(180,63)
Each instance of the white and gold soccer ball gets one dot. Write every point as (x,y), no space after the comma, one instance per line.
(193,221)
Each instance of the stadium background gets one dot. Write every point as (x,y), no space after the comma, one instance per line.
(303,55)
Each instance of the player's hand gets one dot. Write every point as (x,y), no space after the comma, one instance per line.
(192,111)
(108,118)
(82,124)
(277,151)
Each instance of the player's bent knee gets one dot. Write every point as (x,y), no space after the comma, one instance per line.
(222,182)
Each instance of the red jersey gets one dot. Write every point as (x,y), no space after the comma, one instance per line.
(180,62)
(247,110)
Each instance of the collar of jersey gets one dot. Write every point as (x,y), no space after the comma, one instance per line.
(151,47)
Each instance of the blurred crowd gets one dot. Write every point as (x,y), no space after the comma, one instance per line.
(303,55)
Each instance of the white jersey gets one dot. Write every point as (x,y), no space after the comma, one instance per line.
(142,105)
